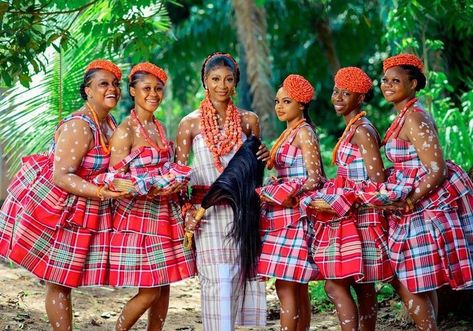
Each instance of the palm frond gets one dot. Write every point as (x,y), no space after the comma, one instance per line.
(28,116)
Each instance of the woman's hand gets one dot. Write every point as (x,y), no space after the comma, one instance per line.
(322,207)
(174,188)
(191,223)
(105,193)
(290,202)
(392,206)
(263,153)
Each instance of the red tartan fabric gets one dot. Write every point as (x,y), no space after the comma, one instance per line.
(138,260)
(145,177)
(10,209)
(146,247)
(286,233)
(278,191)
(59,237)
(432,246)
(273,194)
(354,245)
(337,249)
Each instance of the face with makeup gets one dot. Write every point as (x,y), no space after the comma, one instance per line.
(286,108)
(148,92)
(103,90)
(220,83)
(397,86)
(344,101)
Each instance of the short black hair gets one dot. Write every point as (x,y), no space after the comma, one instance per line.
(417,74)
(87,78)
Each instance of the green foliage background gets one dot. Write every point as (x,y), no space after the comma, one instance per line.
(45,46)
(42,57)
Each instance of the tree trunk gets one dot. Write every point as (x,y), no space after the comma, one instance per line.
(321,26)
(251,29)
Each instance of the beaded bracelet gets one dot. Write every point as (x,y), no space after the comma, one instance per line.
(185,208)
(410,205)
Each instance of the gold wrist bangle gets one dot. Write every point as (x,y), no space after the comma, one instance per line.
(410,204)
(200,213)
(99,193)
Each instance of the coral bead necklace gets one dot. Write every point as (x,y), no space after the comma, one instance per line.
(220,142)
(348,127)
(145,134)
(282,138)
(396,125)
(105,148)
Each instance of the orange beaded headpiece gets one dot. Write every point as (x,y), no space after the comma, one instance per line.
(150,69)
(403,59)
(353,79)
(105,65)
(298,88)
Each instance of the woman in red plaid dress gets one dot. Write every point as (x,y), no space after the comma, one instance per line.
(62,220)
(287,234)
(431,231)
(351,250)
(146,248)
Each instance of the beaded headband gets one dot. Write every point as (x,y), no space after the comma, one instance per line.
(353,79)
(105,65)
(403,59)
(228,56)
(150,69)
(298,88)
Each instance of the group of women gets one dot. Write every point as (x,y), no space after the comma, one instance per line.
(67,220)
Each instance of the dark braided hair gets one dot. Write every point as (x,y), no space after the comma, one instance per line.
(236,186)
(415,73)
(219,59)
(308,120)
(369,95)
(305,113)
(87,78)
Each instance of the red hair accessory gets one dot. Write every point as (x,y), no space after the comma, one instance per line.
(353,79)
(403,59)
(298,88)
(150,69)
(105,65)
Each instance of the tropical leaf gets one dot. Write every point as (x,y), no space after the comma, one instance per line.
(28,116)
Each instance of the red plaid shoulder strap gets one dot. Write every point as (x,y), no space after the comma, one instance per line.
(130,157)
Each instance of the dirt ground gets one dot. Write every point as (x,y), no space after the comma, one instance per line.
(96,309)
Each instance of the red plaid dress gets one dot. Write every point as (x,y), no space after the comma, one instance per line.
(432,246)
(354,245)
(59,237)
(146,247)
(287,234)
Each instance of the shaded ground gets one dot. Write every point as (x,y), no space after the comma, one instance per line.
(96,309)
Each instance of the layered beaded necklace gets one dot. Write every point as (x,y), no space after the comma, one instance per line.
(282,138)
(220,142)
(105,147)
(396,125)
(145,134)
(349,125)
